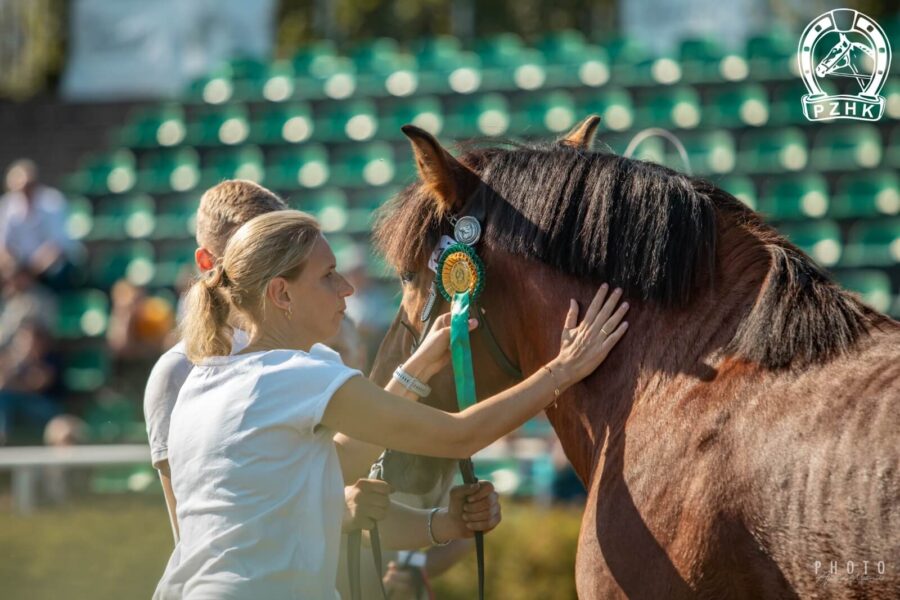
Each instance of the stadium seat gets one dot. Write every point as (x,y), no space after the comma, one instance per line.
(507,64)
(154,126)
(819,239)
(772,55)
(614,105)
(891,93)
(631,61)
(795,196)
(85,370)
(279,84)
(382,69)
(787,102)
(82,313)
(245,162)
(361,165)
(542,113)
(283,123)
(329,205)
(422,111)
(79,217)
(872,285)
(847,147)
(123,217)
(571,61)
(168,170)
(362,214)
(773,150)
(133,261)
(892,154)
(873,243)
(867,194)
(445,66)
(736,105)
(320,72)
(741,187)
(219,126)
(701,60)
(709,152)
(299,167)
(215,88)
(172,260)
(669,107)
(176,218)
(354,120)
(478,115)
(108,173)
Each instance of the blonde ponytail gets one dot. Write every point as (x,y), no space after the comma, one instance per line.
(205,329)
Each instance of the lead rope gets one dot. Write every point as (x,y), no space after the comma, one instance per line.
(354,547)
(463,375)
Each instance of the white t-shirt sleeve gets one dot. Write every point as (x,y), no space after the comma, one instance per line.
(310,381)
(165,381)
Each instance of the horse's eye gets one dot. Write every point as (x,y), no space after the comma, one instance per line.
(407,277)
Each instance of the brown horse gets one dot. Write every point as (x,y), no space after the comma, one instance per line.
(742,440)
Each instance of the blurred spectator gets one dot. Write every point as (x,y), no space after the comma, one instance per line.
(29,381)
(371,306)
(138,323)
(24,299)
(32,227)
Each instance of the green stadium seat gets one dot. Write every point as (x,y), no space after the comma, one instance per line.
(363,165)
(299,167)
(631,61)
(216,88)
(245,162)
(773,150)
(132,260)
(868,194)
(362,214)
(168,170)
(709,152)
(872,285)
(172,260)
(109,173)
(540,113)
(176,218)
(123,217)
(328,205)
(219,126)
(248,76)
(787,102)
(354,120)
(772,55)
(571,61)
(278,124)
(382,69)
(86,370)
(279,84)
(79,217)
(892,154)
(873,243)
(795,196)
(422,111)
(444,66)
(737,105)
(847,147)
(670,107)
(614,105)
(651,149)
(82,313)
(478,115)
(819,239)
(507,64)
(154,126)
(704,60)
(891,93)
(320,72)
(741,187)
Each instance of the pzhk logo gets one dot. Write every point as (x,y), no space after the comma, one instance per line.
(844,43)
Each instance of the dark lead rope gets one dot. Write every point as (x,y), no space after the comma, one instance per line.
(354,547)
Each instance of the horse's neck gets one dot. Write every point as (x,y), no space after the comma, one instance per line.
(660,343)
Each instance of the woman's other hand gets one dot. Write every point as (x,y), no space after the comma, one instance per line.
(474,507)
(365,503)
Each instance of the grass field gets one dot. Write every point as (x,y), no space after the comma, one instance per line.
(115,547)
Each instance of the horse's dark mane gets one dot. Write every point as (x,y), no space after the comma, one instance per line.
(640,226)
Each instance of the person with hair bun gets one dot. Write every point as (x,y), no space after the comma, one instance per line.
(253,462)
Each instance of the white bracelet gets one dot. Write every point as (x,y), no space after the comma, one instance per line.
(429,522)
(411,383)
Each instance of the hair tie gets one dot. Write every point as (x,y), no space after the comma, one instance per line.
(216,277)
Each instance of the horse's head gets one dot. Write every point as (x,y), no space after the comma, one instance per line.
(408,230)
(835,58)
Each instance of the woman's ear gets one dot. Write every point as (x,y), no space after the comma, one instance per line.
(204,259)
(277,293)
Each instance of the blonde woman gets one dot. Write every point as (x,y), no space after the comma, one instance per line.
(253,463)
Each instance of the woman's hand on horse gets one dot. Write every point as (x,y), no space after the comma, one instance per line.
(587,344)
(366,502)
(433,354)
(473,507)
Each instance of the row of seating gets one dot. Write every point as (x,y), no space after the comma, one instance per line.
(676,107)
(441,64)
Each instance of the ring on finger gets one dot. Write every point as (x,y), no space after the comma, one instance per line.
(605,332)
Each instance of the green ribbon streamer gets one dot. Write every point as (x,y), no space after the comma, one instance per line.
(461,351)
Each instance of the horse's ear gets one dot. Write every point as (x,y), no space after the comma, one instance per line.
(582,135)
(451,180)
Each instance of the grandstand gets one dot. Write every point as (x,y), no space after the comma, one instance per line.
(322,129)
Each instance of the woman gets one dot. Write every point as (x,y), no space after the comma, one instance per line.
(253,464)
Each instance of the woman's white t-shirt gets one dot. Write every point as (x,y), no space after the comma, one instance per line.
(256,479)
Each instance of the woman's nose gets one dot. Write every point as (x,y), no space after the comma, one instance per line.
(348,289)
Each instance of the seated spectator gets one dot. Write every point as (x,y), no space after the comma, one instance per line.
(138,323)
(23,299)
(32,227)
(29,381)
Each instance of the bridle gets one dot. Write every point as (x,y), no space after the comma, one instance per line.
(466,467)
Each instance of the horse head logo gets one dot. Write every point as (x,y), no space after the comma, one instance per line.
(860,51)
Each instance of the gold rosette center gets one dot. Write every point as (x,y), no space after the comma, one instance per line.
(459,273)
